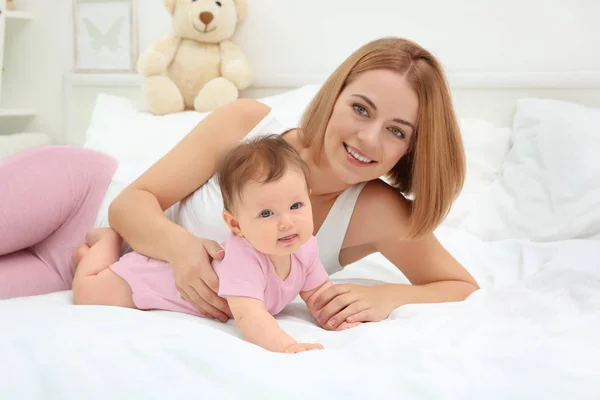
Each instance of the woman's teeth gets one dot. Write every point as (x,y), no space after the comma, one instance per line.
(356,155)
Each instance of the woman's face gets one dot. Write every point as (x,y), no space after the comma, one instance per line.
(371,126)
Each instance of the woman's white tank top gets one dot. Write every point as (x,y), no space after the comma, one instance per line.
(201,212)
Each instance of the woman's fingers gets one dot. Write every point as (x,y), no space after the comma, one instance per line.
(336,305)
(216,302)
(197,292)
(211,281)
(191,296)
(362,316)
(329,294)
(351,310)
(214,250)
(186,298)
(210,300)
(347,325)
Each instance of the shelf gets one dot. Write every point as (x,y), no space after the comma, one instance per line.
(19,15)
(17,112)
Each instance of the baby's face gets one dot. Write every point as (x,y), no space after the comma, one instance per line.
(276,218)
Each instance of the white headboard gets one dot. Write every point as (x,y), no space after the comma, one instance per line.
(494,52)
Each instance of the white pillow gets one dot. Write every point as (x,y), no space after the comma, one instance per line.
(140,138)
(486,147)
(290,105)
(549,188)
(117,128)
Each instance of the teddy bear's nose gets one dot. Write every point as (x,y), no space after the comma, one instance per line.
(206,17)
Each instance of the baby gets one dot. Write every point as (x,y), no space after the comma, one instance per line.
(271,255)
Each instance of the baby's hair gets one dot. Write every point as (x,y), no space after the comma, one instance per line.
(263,159)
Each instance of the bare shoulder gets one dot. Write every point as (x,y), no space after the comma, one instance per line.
(194,159)
(380,211)
(377,193)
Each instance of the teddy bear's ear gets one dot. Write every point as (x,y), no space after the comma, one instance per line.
(241,7)
(170,4)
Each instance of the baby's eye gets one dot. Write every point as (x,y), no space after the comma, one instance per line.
(265,213)
(219,3)
(296,206)
(396,132)
(361,110)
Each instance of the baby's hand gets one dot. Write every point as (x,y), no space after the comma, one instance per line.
(300,347)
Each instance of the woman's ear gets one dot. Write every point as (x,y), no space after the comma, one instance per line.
(170,4)
(232,223)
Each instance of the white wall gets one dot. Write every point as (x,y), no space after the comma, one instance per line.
(467,35)
(309,38)
(37,54)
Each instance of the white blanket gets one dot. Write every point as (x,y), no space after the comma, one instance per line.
(533,331)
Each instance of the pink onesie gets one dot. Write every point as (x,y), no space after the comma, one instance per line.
(242,272)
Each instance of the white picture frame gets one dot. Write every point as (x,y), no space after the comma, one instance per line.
(105,36)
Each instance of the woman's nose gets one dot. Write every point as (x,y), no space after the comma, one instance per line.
(369,135)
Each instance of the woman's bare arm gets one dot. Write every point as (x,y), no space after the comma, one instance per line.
(380,223)
(424,261)
(137,214)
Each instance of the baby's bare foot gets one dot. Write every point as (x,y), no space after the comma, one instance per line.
(79,253)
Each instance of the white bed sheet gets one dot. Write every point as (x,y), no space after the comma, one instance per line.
(532,331)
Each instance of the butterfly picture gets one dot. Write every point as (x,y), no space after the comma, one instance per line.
(105,35)
(108,39)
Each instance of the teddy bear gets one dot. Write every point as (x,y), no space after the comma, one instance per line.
(196,67)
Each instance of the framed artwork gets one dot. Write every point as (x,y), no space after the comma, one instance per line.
(105,35)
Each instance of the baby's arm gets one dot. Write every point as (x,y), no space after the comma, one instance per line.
(258,326)
(310,296)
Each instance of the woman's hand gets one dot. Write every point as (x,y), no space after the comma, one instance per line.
(196,279)
(341,305)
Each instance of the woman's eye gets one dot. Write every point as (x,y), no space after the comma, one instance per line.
(266,214)
(396,131)
(360,110)
(296,206)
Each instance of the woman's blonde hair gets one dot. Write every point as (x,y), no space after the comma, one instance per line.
(433,169)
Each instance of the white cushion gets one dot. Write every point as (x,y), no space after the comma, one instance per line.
(486,147)
(120,130)
(290,105)
(549,188)
(139,138)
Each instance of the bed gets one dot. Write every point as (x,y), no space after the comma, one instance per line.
(527,226)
